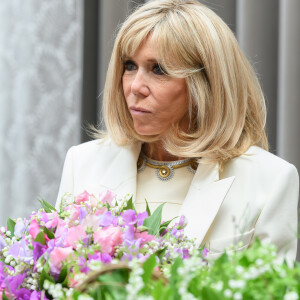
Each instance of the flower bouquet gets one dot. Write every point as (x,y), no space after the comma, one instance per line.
(101,248)
(55,255)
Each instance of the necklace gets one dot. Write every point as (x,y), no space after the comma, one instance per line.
(165,170)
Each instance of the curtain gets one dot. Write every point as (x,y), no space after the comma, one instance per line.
(40,87)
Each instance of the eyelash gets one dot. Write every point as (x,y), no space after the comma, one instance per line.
(156,67)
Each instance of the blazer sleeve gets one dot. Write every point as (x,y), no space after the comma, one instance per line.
(278,220)
(67,178)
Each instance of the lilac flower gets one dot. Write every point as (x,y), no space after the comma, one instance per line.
(141,217)
(21,227)
(182,222)
(14,282)
(129,233)
(205,252)
(106,258)
(103,257)
(107,219)
(129,217)
(23,294)
(38,250)
(83,213)
(20,249)
(82,263)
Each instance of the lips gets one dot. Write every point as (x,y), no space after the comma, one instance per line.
(138,110)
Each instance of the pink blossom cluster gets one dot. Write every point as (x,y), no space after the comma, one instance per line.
(85,234)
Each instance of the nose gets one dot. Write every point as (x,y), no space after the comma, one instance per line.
(139,85)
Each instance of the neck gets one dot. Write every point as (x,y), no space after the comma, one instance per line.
(156,151)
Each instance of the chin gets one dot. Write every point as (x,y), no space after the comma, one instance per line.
(147,132)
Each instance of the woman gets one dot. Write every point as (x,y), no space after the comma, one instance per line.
(185,119)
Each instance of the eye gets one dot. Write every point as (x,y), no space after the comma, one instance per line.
(129,65)
(158,69)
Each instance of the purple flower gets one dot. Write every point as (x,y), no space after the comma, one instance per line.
(204,252)
(103,257)
(38,250)
(106,258)
(141,217)
(14,282)
(23,294)
(182,222)
(20,249)
(185,253)
(21,227)
(129,233)
(107,219)
(129,217)
(83,213)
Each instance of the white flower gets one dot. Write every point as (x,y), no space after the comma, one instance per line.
(291,296)
(239,270)
(228,293)
(236,284)
(259,262)
(218,286)
(237,296)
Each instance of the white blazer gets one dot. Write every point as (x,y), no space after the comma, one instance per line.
(256,194)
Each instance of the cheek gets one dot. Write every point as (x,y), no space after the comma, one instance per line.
(126,86)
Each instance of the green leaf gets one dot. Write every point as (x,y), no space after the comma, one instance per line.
(148,267)
(40,238)
(45,276)
(164,225)
(210,294)
(154,221)
(46,206)
(11,226)
(147,208)
(62,275)
(129,205)
(49,233)
(160,253)
(4,296)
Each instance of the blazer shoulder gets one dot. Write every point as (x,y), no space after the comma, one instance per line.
(261,162)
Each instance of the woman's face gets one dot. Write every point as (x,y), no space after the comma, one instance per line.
(154,99)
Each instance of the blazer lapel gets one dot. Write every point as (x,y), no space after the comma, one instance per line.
(121,174)
(204,199)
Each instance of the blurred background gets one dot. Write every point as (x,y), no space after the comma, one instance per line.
(53,60)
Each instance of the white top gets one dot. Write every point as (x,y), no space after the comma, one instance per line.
(157,191)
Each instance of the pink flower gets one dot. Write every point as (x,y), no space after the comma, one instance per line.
(34,228)
(75,213)
(52,223)
(74,235)
(58,255)
(83,197)
(108,197)
(144,236)
(93,201)
(101,211)
(60,229)
(91,221)
(108,238)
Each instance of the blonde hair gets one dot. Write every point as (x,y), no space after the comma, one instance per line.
(226,104)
